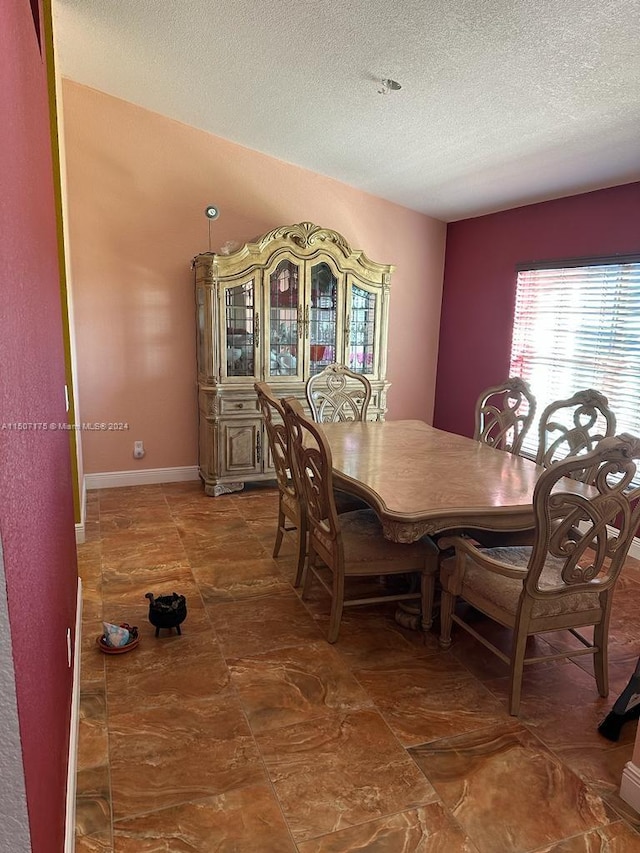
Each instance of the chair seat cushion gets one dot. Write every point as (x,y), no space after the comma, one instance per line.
(505,592)
(290,505)
(364,542)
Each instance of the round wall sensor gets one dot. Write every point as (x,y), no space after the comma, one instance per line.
(211,212)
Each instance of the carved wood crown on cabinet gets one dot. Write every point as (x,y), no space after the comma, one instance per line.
(279,310)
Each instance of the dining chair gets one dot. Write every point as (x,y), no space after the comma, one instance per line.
(352,544)
(572,426)
(291,515)
(566,428)
(290,508)
(338,394)
(504,413)
(566,579)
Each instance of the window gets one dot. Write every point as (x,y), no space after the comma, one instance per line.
(578,326)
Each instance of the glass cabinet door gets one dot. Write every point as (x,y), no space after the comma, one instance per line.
(285,323)
(205,366)
(361,329)
(321,324)
(241,330)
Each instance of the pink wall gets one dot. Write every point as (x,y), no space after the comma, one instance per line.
(480,281)
(36,508)
(138,184)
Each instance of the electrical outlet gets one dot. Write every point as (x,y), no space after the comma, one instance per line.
(138,450)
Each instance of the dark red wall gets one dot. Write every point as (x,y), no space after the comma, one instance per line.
(480,282)
(36,507)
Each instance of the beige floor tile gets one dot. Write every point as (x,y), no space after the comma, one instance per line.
(370,635)
(141,548)
(93,742)
(427,830)
(507,791)
(92,599)
(135,580)
(293,685)
(91,659)
(90,553)
(130,497)
(268,623)
(228,581)
(430,698)
(199,529)
(93,844)
(246,820)
(250,733)
(161,756)
(181,496)
(93,808)
(613,838)
(337,771)
(212,551)
(258,503)
(166,670)
(136,519)
(560,705)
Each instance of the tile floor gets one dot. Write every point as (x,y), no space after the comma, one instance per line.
(251,734)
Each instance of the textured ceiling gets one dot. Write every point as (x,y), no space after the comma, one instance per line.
(503,102)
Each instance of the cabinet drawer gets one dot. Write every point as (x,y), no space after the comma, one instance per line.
(239,405)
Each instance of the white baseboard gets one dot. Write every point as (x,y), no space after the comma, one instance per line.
(72,764)
(630,786)
(634,551)
(144,477)
(80,527)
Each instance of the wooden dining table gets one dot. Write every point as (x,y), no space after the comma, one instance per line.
(421,480)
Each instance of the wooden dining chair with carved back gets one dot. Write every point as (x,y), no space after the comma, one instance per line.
(504,413)
(338,394)
(290,508)
(566,579)
(572,426)
(503,416)
(291,514)
(351,544)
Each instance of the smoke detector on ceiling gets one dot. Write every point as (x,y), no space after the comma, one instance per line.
(388,85)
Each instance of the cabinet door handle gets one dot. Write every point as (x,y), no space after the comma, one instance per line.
(257,331)
(239,405)
(347,329)
(306,319)
(258,448)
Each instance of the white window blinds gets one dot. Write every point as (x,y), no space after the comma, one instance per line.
(578,327)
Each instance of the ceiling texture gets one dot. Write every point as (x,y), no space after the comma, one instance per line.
(502,102)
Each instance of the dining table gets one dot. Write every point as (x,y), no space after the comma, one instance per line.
(421,480)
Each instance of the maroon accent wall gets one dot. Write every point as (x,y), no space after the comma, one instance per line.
(480,283)
(36,505)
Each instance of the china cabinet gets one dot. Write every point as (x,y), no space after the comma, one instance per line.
(280,309)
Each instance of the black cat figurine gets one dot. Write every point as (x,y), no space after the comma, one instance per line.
(167,611)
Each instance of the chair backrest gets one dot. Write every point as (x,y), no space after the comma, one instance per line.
(583,532)
(338,394)
(314,477)
(504,413)
(572,426)
(278,438)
